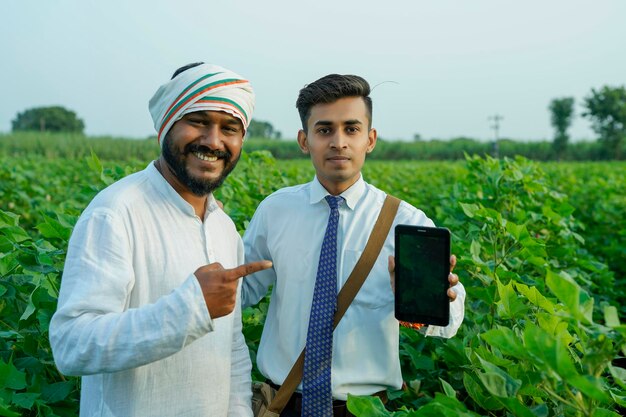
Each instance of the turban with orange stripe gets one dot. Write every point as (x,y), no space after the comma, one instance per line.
(203,87)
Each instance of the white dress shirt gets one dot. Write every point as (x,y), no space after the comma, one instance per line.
(288,228)
(131,316)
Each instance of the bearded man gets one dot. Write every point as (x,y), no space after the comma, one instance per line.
(149,311)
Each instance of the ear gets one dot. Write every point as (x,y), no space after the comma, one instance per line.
(304,145)
(371,137)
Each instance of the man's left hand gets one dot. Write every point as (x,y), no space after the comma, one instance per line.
(453,279)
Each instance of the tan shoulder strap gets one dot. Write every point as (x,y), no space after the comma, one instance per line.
(346,294)
(368,257)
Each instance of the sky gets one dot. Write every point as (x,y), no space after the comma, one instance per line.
(439,69)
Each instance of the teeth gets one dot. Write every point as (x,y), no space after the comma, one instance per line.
(205,157)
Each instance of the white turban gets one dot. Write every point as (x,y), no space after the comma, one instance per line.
(203,87)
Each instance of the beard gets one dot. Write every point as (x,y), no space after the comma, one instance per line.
(198,186)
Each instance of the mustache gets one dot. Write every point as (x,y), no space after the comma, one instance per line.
(192,147)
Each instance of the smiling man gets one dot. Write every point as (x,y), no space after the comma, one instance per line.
(291,228)
(148,309)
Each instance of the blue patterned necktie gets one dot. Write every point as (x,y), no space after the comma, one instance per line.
(317,396)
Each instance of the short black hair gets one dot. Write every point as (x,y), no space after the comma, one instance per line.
(185,68)
(329,89)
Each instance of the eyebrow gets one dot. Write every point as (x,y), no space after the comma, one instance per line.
(233,121)
(329,123)
(230,119)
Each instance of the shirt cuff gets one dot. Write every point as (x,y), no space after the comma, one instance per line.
(201,312)
(457,314)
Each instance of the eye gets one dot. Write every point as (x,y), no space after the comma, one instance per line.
(196,121)
(352,129)
(323,130)
(231,130)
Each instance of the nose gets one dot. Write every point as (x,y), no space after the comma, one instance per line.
(211,137)
(339,140)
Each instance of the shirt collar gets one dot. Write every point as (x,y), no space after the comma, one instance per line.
(351,195)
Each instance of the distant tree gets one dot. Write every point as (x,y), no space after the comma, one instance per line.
(606,108)
(262,129)
(562,113)
(48,119)
(417,137)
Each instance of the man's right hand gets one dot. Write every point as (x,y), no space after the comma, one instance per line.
(219,285)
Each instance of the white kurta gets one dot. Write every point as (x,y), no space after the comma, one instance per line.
(131,317)
(288,228)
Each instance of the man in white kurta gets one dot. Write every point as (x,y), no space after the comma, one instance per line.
(140,316)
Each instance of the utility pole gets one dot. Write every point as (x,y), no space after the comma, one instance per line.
(496,118)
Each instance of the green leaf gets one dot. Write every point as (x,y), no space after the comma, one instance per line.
(469,209)
(442,406)
(515,230)
(366,406)
(556,326)
(52,229)
(8,263)
(57,392)
(94,163)
(549,350)
(11,377)
(497,381)
(619,399)
(516,408)
(423,362)
(30,307)
(506,341)
(611,318)
(8,219)
(535,297)
(16,234)
(619,375)
(6,412)
(415,385)
(447,388)
(589,386)
(475,250)
(603,412)
(578,302)
(25,399)
(510,305)
(474,389)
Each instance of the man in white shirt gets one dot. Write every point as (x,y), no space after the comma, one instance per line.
(148,310)
(288,228)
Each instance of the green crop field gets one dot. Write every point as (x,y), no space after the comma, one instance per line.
(541,252)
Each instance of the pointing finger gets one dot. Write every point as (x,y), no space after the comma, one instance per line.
(247,269)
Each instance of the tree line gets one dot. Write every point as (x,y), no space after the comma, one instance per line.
(605,108)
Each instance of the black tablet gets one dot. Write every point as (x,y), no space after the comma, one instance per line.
(422,257)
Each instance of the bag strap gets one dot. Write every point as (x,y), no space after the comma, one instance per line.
(346,294)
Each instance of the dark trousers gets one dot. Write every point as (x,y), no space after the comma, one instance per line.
(294,405)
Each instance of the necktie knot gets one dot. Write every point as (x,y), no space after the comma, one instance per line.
(334,201)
